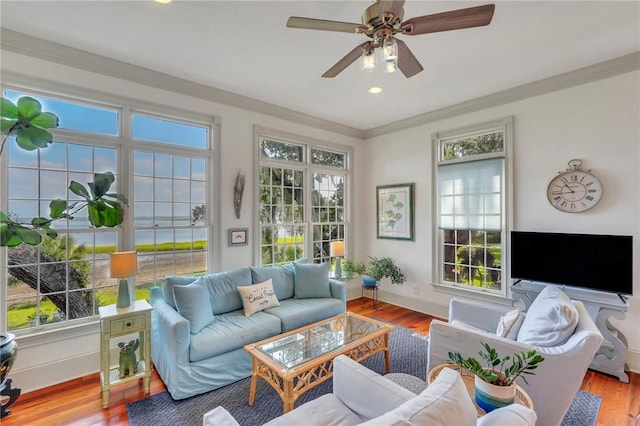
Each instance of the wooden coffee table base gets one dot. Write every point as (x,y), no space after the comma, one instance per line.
(291,383)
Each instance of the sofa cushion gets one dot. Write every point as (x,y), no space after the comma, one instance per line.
(445,402)
(281,277)
(258,297)
(223,289)
(296,313)
(167,286)
(551,319)
(510,324)
(192,302)
(317,413)
(311,280)
(514,414)
(231,331)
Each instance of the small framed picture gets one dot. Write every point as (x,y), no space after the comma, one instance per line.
(238,236)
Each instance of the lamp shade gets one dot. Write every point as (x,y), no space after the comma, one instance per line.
(336,248)
(123,264)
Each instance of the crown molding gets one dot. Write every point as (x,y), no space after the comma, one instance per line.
(43,49)
(610,68)
(25,44)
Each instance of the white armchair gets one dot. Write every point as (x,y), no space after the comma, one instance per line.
(557,379)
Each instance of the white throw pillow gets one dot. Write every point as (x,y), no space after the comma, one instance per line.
(258,297)
(514,414)
(551,319)
(445,402)
(510,324)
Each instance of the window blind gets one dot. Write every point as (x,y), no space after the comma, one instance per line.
(470,195)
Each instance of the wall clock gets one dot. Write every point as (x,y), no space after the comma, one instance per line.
(574,190)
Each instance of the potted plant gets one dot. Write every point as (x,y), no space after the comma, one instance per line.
(494,380)
(379,268)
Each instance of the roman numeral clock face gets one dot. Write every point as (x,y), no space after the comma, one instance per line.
(574,191)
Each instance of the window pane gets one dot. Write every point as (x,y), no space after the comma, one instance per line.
(474,145)
(75,116)
(282,194)
(175,204)
(327,158)
(281,150)
(166,131)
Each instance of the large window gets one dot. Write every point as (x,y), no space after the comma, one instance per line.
(162,166)
(301,200)
(471,209)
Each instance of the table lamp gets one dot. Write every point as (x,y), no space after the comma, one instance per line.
(123,265)
(336,249)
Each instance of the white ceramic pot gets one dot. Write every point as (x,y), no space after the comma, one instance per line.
(489,397)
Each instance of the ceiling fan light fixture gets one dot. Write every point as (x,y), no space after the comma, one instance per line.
(390,67)
(390,49)
(390,55)
(368,60)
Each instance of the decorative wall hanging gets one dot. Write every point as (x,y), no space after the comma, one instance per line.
(395,211)
(238,190)
(238,236)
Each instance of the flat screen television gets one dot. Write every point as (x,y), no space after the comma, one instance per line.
(596,262)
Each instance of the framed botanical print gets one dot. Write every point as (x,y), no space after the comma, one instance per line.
(394,208)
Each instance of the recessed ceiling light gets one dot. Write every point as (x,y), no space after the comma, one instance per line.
(375,90)
(163,1)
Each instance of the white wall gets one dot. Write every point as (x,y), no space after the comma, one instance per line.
(598,123)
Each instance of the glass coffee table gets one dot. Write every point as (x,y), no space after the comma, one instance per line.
(297,361)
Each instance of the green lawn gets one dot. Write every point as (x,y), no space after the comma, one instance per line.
(20,315)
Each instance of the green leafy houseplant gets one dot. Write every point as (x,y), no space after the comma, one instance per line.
(26,121)
(379,268)
(495,371)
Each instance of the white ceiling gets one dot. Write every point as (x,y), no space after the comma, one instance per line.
(244,47)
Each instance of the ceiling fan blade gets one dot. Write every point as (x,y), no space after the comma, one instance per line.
(452,20)
(407,62)
(393,7)
(322,24)
(346,61)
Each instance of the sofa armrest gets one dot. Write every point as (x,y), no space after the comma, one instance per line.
(170,338)
(365,392)
(483,315)
(338,290)
(445,338)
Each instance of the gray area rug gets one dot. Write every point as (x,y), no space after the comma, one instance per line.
(408,355)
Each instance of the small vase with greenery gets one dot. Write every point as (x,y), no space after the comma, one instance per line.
(378,269)
(495,371)
(495,385)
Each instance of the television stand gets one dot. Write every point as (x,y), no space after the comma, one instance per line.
(612,355)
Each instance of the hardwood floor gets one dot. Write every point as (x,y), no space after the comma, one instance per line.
(79,401)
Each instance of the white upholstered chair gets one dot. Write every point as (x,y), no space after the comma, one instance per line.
(557,379)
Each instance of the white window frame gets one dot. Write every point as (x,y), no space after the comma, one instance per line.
(308,169)
(125,146)
(506,126)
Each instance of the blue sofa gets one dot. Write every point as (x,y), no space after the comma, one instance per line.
(199,326)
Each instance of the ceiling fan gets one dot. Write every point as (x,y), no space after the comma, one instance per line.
(382,21)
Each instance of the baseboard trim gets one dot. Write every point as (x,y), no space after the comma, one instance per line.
(54,373)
